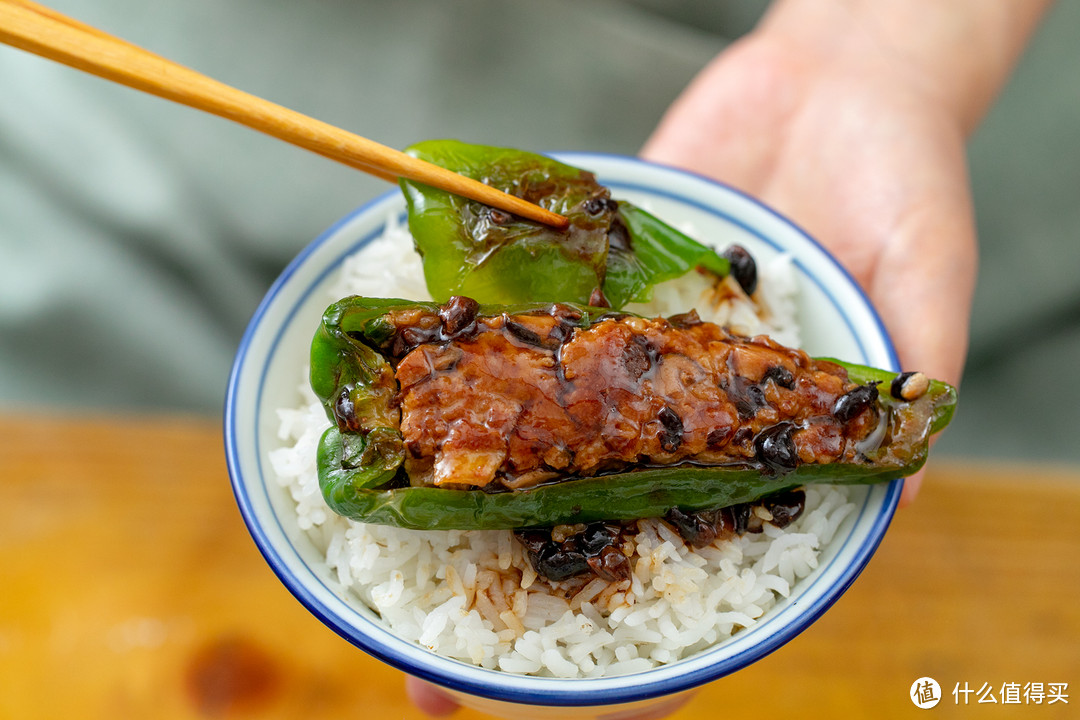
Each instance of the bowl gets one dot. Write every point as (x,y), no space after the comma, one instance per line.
(836,320)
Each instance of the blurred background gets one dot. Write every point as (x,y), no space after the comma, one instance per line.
(137,237)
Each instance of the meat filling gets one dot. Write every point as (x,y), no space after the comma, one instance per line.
(513,401)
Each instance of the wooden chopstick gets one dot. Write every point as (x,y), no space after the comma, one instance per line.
(45,32)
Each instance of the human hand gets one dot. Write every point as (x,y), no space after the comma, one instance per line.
(859,156)
(859,140)
(436,703)
(428,698)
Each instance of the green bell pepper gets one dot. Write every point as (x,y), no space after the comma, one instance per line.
(360,458)
(611,252)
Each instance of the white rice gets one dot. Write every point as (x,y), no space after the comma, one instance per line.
(474,597)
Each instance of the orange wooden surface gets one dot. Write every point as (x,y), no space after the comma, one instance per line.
(130,588)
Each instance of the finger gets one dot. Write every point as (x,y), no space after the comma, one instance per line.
(911,489)
(924,289)
(428,698)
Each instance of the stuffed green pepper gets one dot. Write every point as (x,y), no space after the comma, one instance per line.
(462,416)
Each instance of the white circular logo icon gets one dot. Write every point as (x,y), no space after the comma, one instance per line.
(925,693)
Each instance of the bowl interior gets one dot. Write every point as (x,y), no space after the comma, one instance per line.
(835,317)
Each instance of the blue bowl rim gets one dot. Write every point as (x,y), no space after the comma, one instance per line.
(526,689)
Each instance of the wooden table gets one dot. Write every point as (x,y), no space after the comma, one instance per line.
(130,588)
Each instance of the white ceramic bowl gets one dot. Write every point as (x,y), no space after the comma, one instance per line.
(836,320)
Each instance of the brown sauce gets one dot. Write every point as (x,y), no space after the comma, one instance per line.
(603,549)
(508,402)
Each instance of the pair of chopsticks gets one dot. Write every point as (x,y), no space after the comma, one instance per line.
(45,32)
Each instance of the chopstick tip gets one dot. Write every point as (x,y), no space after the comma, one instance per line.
(559,222)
